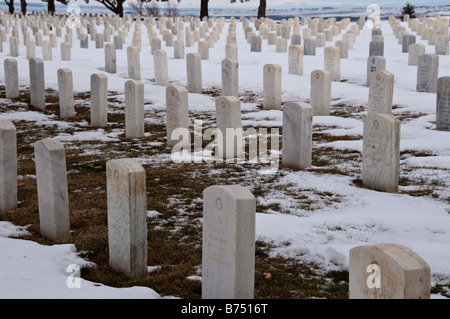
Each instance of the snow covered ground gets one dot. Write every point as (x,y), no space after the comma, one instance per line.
(323,235)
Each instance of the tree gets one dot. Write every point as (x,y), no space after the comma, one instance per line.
(203,9)
(51,5)
(138,6)
(10,5)
(23,7)
(153,9)
(172,10)
(261,8)
(408,9)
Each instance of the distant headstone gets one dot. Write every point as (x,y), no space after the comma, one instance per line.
(309,46)
(415,50)
(407,40)
(194,72)
(375,63)
(99,100)
(332,62)
(134,109)
(176,111)
(14,46)
(161,67)
(228,258)
(37,83)
(256,42)
(427,73)
(65,89)
(65,51)
(46,50)
(231,52)
(134,64)
(228,116)
(376,48)
(320,94)
(381,92)
(11,78)
(230,78)
(272,86)
(203,50)
(110,58)
(295,59)
(297,135)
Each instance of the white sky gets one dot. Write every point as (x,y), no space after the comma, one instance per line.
(291,3)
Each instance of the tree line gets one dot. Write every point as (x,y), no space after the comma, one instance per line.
(116,6)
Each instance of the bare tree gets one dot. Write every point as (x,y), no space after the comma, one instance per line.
(172,10)
(261,8)
(138,7)
(51,5)
(23,7)
(153,9)
(10,5)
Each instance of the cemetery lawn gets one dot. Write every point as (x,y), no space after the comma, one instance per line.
(307,220)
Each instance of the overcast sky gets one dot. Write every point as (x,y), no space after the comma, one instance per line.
(289,3)
(313,3)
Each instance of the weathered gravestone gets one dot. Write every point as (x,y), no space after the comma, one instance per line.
(230,78)
(407,40)
(381,92)
(443,104)
(14,47)
(176,111)
(376,48)
(65,51)
(8,166)
(30,49)
(381,152)
(388,271)
(134,109)
(37,83)
(332,62)
(297,135)
(65,89)
(11,78)
(256,43)
(415,50)
(309,46)
(161,67)
(272,86)
(194,72)
(53,196)
(127,217)
(231,52)
(110,58)
(134,64)
(99,100)
(228,257)
(295,59)
(228,117)
(375,63)
(320,93)
(427,73)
